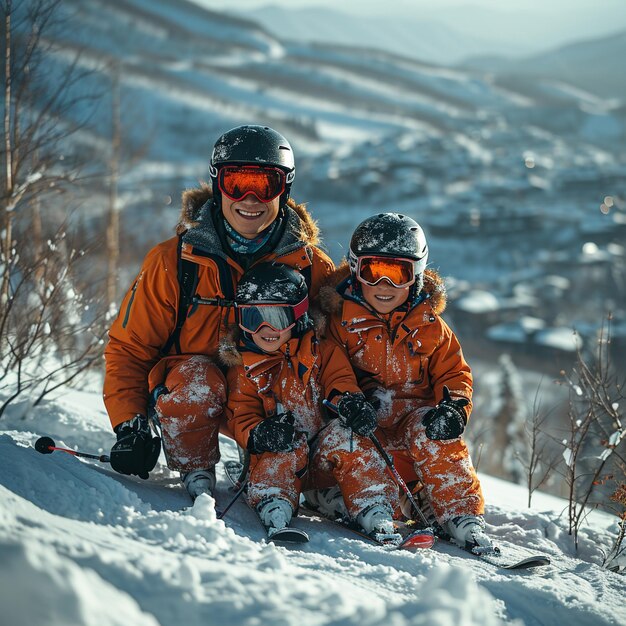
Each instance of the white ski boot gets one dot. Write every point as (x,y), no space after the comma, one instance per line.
(199,481)
(377,522)
(328,502)
(275,515)
(468,531)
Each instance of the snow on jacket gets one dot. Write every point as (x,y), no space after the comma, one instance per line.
(405,358)
(297,377)
(148,312)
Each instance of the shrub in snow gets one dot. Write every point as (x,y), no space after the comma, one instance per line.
(595,446)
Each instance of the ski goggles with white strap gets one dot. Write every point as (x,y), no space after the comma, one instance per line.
(372,269)
(278,317)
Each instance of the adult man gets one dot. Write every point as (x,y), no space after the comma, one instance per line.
(164,342)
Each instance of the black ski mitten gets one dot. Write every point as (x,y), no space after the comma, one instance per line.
(373,397)
(357,413)
(274,434)
(136,451)
(448,419)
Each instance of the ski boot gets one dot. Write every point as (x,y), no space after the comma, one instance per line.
(327,502)
(199,481)
(377,522)
(468,531)
(275,515)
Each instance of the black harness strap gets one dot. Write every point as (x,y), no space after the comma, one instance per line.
(187,281)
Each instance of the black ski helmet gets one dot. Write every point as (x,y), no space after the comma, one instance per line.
(390,235)
(275,283)
(253,145)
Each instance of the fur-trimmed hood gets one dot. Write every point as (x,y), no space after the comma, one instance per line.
(196,223)
(228,353)
(331,302)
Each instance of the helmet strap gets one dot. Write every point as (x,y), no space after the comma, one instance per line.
(284,198)
(217,194)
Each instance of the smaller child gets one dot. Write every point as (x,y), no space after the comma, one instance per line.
(279,375)
(385,316)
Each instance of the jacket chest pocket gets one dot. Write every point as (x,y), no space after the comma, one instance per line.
(415,368)
(365,360)
(419,370)
(355,347)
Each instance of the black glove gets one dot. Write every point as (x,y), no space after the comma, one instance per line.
(448,419)
(373,398)
(357,413)
(273,434)
(136,450)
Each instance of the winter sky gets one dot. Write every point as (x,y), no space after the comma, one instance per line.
(537,21)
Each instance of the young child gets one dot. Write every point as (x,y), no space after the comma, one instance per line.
(385,315)
(279,375)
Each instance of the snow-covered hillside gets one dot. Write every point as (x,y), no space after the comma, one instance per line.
(82,545)
(462,153)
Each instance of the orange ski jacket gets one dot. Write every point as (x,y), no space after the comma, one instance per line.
(297,377)
(405,358)
(148,313)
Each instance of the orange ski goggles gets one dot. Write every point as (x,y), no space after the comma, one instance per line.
(238,181)
(372,269)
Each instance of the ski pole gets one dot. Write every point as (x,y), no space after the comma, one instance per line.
(46,445)
(241,489)
(407,492)
(242,481)
(394,472)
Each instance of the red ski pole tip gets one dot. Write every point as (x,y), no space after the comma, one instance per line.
(43,445)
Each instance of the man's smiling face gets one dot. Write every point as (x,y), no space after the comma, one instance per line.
(250,216)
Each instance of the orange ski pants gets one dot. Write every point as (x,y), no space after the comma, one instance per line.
(443,467)
(336,456)
(191,412)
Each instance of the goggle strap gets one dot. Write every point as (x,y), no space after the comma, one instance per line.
(301,308)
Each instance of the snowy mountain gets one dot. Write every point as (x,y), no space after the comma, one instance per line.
(369,128)
(420,35)
(439,32)
(594,65)
(82,545)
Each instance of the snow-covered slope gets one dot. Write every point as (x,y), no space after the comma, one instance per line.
(80,544)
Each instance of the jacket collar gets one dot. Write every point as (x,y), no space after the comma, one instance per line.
(205,237)
(298,354)
(357,316)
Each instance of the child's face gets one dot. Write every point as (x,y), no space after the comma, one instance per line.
(270,340)
(384,297)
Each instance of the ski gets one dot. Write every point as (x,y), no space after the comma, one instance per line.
(509,556)
(289,535)
(505,556)
(406,537)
